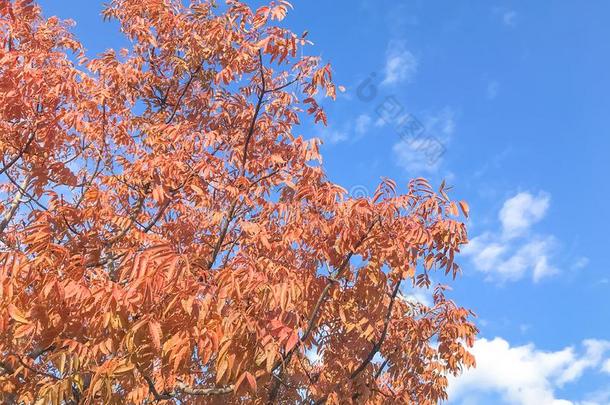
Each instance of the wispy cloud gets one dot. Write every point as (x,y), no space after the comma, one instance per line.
(417,295)
(400,65)
(514,250)
(509,18)
(410,157)
(580,263)
(349,131)
(493,87)
(606,366)
(420,155)
(524,374)
(363,124)
(331,135)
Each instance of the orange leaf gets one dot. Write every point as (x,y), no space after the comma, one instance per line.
(251,381)
(155,333)
(292,341)
(465,208)
(16,314)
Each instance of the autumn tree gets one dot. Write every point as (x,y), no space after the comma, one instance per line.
(165,235)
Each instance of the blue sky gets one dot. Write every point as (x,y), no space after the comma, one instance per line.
(517,94)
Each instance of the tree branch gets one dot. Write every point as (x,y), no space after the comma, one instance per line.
(316,310)
(376,347)
(229,217)
(223,233)
(153,390)
(283,86)
(19,154)
(185,389)
(24,192)
(386,324)
(186,87)
(154,221)
(15,204)
(331,280)
(132,220)
(32,369)
(259,104)
(205,391)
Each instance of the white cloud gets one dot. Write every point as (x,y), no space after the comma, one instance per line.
(417,295)
(523,374)
(606,366)
(485,252)
(423,152)
(504,260)
(413,156)
(442,124)
(592,358)
(353,131)
(520,212)
(401,65)
(363,123)
(512,252)
(333,135)
(533,255)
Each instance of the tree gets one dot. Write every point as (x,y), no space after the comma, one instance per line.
(165,236)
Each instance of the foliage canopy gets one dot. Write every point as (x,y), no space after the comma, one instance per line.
(165,236)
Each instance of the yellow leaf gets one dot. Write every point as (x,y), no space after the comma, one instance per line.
(222,367)
(16,314)
(62,363)
(124,368)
